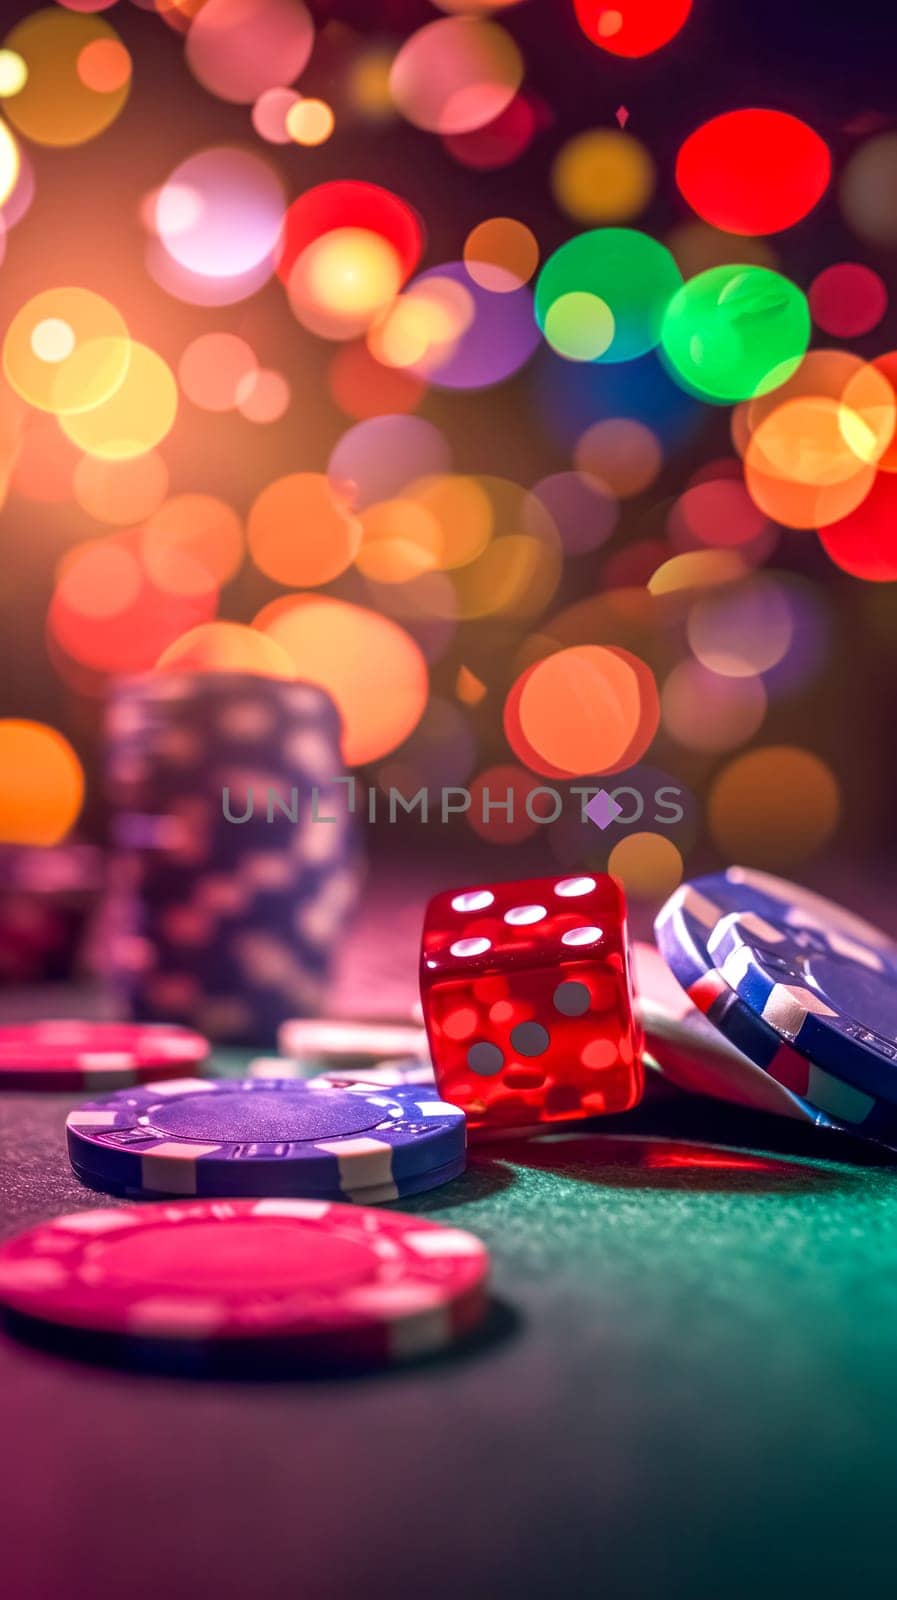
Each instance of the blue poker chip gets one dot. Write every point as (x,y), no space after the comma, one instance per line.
(694,926)
(193,1136)
(372,1194)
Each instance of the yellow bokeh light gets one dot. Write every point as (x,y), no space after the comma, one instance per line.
(310,122)
(41,783)
(9,163)
(463,512)
(422,326)
(343,280)
(580,326)
(372,668)
(367,85)
(13,73)
(135,417)
(226,647)
(603,176)
(59,102)
(401,540)
(66,350)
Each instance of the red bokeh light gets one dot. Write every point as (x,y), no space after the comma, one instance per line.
(632,27)
(753,171)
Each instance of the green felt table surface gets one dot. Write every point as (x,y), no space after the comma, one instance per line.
(688,1388)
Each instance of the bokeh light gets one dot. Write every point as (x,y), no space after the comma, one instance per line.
(847,300)
(632,27)
(472,338)
(376,459)
(868,187)
(41,783)
(190,541)
(310,122)
(9,163)
(104,65)
(741,629)
(702,710)
(773,807)
(363,387)
(498,804)
(269,115)
(66,350)
(59,103)
(583,508)
(811,449)
(226,647)
(735,332)
(753,171)
(343,280)
(501,254)
(13,73)
(108,616)
(373,669)
(502,141)
(135,417)
(622,453)
(220,213)
(864,541)
(583,710)
(633,275)
(301,532)
(603,175)
(649,865)
(717,511)
(212,369)
(346,203)
(240,48)
(456,75)
(263,396)
(121,492)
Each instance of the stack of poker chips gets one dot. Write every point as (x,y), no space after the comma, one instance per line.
(235,855)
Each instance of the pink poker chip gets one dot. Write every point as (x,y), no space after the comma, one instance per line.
(68,1053)
(312,1279)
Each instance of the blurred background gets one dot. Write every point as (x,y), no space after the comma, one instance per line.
(297,353)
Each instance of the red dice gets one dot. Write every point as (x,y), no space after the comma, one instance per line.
(527,999)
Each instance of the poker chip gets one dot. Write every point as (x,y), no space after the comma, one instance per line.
(822,978)
(69,1054)
(408,1072)
(694,1055)
(279,1067)
(299,1278)
(686,927)
(326,1041)
(277,1137)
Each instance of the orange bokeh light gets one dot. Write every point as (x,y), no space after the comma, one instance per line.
(372,668)
(301,532)
(226,647)
(41,783)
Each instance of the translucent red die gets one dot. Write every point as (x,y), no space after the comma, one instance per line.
(527,997)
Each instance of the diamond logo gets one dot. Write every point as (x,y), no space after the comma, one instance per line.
(602,809)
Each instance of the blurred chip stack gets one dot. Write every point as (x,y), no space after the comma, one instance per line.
(236,858)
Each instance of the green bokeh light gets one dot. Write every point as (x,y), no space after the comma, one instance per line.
(634,275)
(735,332)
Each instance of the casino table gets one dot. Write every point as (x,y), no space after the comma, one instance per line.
(685,1386)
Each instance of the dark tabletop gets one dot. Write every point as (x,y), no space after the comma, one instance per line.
(687,1388)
